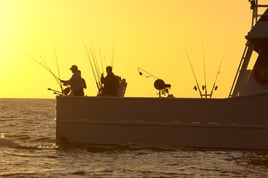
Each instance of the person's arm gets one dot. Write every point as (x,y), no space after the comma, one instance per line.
(67,82)
(64,82)
(102,78)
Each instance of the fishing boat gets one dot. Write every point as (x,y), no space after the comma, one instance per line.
(239,121)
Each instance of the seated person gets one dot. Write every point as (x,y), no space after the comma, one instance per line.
(111,83)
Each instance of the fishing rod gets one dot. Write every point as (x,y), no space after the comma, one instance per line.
(65,91)
(214,87)
(204,87)
(101,58)
(141,71)
(189,60)
(46,68)
(94,58)
(56,57)
(58,80)
(55,91)
(113,53)
(92,68)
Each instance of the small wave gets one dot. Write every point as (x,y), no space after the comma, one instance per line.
(8,143)
(5,143)
(79,173)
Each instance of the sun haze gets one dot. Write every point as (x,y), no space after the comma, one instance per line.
(153,35)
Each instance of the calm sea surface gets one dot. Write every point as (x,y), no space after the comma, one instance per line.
(27,149)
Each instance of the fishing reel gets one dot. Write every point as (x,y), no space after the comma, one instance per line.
(162,87)
(204,93)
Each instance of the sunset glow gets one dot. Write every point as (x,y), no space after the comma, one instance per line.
(152,35)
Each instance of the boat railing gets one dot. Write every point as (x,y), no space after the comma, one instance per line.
(256,13)
(241,69)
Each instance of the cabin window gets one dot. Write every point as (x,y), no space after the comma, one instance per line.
(252,60)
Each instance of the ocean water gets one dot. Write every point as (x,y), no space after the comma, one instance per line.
(27,149)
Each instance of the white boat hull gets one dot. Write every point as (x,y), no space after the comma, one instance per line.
(233,123)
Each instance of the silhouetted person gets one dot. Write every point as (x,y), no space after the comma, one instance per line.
(76,82)
(111,83)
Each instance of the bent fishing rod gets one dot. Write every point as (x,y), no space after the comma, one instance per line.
(46,67)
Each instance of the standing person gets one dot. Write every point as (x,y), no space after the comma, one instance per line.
(75,82)
(111,83)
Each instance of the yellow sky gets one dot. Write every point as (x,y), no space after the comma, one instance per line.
(150,34)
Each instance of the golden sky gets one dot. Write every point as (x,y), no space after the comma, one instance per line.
(150,34)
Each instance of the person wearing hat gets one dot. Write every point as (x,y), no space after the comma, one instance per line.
(76,82)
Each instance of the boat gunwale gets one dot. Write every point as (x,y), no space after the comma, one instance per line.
(163,98)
